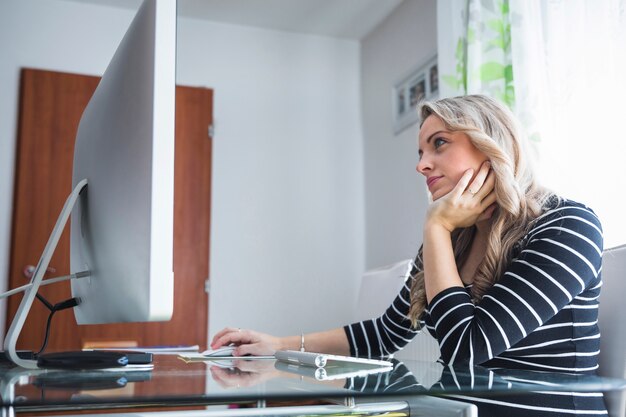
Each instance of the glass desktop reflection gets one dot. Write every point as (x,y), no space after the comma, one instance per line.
(173,382)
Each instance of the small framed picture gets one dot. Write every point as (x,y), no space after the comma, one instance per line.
(417,92)
(433,73)
(420,84)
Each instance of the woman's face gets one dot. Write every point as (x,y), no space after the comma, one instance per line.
(445,156)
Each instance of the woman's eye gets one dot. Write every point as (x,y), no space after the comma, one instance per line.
(438,142)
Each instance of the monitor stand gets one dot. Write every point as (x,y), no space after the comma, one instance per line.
(13,334)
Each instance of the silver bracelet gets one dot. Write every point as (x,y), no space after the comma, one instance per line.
(301,342)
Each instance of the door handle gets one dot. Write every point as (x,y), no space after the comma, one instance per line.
(29,270)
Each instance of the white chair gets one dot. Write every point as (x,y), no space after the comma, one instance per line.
(378,289)
(612,327)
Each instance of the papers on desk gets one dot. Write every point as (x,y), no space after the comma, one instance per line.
(157,350)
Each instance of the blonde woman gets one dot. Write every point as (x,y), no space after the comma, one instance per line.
(508,274)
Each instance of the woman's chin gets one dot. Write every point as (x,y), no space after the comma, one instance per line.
(436,195)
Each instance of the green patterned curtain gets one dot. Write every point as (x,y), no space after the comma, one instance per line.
(481,61)
(560,66)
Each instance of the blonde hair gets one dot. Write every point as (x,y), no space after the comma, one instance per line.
(493,130)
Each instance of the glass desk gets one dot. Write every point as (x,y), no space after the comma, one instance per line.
(267,387)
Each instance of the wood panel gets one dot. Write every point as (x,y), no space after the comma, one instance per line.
(51,104)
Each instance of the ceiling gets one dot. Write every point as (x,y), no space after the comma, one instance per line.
(351,19)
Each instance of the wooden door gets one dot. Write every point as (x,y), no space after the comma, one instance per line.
(51,104)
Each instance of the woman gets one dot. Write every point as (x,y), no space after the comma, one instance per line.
(508,274)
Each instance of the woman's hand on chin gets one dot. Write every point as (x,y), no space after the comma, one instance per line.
(470,201)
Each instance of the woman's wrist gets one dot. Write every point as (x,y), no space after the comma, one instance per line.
(433,226)
(289,343)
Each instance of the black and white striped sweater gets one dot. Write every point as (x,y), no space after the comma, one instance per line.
(542,314)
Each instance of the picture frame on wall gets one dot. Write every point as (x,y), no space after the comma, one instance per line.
(422,83)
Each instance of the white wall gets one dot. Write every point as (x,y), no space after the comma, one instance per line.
(287,216)
(395,194)
(287,207)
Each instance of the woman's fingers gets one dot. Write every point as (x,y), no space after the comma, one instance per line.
(221,333)
(478,186)
(231,335)
(461,186)
(248,342)
(483,182)
(487,190)
(468,202)
(254,349)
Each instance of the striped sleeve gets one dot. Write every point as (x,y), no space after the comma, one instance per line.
(560,258)
(384,335)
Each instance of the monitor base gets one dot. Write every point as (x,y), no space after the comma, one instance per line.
(10,342)
(89,359)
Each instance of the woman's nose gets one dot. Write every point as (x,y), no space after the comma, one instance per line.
(423,166)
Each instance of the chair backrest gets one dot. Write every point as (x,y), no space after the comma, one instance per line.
(612,325)
(378,289)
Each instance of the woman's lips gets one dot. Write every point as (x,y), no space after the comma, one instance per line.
(431,181)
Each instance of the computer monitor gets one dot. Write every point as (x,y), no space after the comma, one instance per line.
(123,183)
(123,229)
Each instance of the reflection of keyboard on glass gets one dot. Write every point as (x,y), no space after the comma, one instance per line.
(321,360)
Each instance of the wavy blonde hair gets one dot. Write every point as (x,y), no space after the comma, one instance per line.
(492,129)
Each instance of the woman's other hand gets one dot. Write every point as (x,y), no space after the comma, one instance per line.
(248,342)
(470,201)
